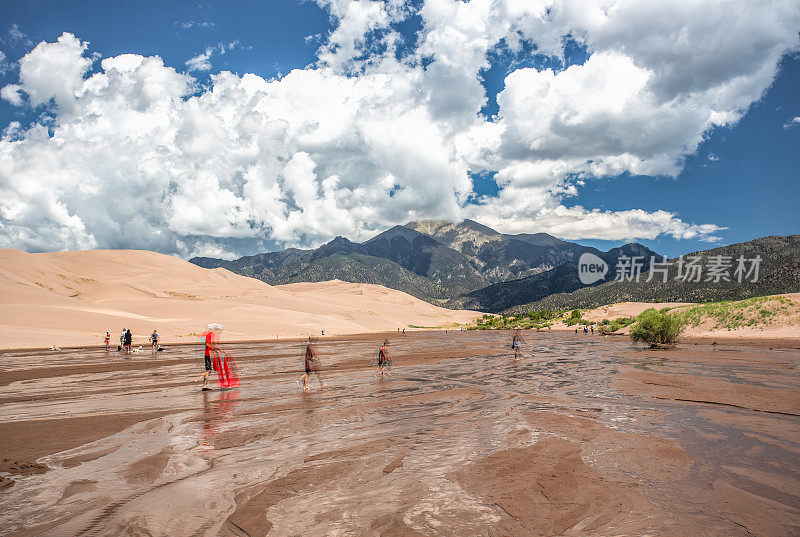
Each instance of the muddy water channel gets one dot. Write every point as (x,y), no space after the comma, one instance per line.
(582,436)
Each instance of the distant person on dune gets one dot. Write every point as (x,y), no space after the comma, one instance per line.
(383,359)
(311,365)
(108,340)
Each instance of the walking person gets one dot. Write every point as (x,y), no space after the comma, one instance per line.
(122,340)
(154,340)
(108,340)
(516,344)
(311,365)
(209,347)
(383,360)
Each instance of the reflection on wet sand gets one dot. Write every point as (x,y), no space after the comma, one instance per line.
(582,436)
(217,412)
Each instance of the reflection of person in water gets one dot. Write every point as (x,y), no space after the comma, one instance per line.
(311,364)
(383,359)
(217,413)
(516,343)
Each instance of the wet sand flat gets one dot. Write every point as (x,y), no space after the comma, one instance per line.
(584,435)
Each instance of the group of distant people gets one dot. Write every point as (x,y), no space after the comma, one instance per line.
(586,329)
(126,341)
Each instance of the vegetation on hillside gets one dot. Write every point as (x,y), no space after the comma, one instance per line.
(661,327)
(752,313)
(608,326)
(533,320)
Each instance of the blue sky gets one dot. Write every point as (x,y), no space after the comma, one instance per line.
(584,177)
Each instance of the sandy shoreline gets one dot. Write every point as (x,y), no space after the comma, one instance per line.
(178,344)
(722,338)
(585,435)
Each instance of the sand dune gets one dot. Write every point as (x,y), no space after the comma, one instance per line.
(72,298)
(628,309)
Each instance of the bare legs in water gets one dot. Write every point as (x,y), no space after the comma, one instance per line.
(311,365)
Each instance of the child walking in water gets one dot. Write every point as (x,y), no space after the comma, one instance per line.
(515,344)
(383,359)
(311,363)
(108,340)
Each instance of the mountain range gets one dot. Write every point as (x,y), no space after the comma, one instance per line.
(778,272)
(468,265)
(459,265)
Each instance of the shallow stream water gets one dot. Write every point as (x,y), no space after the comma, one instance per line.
(334,459)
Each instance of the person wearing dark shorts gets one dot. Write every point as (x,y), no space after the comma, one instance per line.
(383,359)
(311,365)
(209,345)
(154,341)
(128,341)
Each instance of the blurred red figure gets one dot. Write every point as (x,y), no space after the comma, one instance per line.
(217,360)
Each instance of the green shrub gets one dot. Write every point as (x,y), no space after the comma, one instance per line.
(658,328)
(625,321)
(607,326)
(541,315)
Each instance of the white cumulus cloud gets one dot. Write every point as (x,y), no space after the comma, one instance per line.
(794,122)
(138,154)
